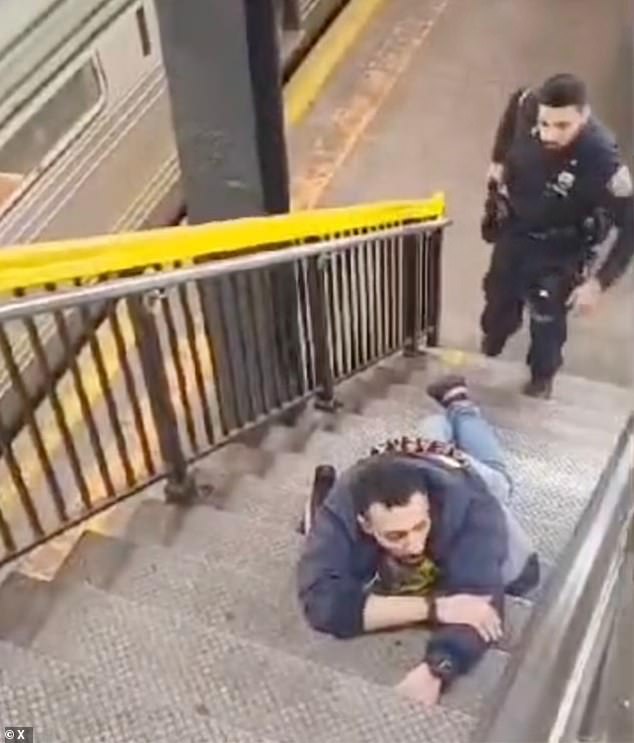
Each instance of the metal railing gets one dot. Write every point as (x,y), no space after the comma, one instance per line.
(190,356)
(554,684)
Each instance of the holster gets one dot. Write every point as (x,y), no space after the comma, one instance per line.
(497,210)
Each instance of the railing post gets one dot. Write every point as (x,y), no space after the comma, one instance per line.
(180,486)
(324,374)
(434,287)
(593,722)
(609,713)
(412,294)
(619,716)
(292,14)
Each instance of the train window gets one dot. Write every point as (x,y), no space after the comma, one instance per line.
(29,149)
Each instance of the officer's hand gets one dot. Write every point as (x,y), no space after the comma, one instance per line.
(585,298)
(495,173)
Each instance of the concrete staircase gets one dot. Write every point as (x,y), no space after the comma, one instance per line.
(186,626)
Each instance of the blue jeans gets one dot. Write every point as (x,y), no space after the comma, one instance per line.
(464,425)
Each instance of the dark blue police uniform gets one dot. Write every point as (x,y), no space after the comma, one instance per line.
(562,203)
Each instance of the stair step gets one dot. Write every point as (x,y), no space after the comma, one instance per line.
(280,496)
(257,545)
(342,451)
(25,603)
(602,397)
(392,417)
(257,603)
(508,408)
(278,438)
(64,703)
(542,481)
(290,433)
(172,659)
(386,659)
(402,408)
(218,535)
(223,466)
(547,473)
(373,383)
(193,619)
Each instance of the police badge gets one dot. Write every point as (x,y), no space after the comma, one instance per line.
(566,180)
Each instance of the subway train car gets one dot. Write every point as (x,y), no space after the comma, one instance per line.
(86,139)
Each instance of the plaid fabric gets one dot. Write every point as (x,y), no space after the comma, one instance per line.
(445,452)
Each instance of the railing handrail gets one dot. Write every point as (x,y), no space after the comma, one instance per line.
(540,682)
(116,288)
(187,357)
(28,266)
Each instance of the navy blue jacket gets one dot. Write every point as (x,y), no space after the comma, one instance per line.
(468,542)
(551,190)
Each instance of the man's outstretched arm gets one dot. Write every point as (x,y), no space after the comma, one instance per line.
(474,566)
(332,598)
(621,204)
(617,198)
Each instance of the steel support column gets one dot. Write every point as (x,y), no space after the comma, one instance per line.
(224,77)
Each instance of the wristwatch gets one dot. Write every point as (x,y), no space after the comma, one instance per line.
(432,610)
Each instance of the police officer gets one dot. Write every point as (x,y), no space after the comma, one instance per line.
(557,187)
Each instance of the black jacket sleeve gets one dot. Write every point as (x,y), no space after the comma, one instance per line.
(621,206)
(331,597)
(506,127)
(474,566)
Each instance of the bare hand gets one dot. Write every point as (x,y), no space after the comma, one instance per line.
(421,686)
(476,611)
(585,298)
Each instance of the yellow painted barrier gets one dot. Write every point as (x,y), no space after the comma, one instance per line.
(30,266)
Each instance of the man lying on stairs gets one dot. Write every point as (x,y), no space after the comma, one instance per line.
(418,533)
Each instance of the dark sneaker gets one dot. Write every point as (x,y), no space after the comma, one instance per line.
(448,389)
(325,477)
(491,346)
(540,387)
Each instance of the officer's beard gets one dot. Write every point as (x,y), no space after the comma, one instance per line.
(561,148)
(556,151)
(554,147)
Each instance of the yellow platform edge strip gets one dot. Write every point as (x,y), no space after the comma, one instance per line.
(302,89)
(29,266)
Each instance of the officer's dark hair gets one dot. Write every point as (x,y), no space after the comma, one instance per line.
(384,479)
(563,90)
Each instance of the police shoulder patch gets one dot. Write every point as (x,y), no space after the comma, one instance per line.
(620,185)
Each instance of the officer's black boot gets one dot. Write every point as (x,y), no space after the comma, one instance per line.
(544,356)
(491,346)
(541,387)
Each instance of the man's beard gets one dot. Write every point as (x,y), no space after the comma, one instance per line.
(550,147)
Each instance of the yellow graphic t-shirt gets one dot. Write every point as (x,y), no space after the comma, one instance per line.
(398,579)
